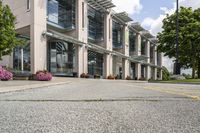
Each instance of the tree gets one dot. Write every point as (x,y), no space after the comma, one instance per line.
(189,38)
(8,39)
(165,73)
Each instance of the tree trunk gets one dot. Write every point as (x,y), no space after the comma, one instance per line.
(193,71)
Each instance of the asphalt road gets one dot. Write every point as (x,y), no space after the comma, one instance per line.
(102,106)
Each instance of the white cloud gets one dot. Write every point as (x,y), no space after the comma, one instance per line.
(130,6)
(155,25)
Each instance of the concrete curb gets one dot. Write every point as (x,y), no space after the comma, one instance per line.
(26,87)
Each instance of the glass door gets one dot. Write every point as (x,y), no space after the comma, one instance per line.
(61,58)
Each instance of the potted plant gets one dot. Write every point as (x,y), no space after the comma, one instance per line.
(128,78)
(83,75)
(43,76)
(97,76)
(111,77)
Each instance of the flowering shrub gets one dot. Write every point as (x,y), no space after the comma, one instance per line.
(5,75)
(43,76)
(128,78)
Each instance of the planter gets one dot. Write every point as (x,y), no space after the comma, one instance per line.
(21,78)
(43,76)
(4,79)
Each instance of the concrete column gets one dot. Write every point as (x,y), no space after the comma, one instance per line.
(108,65)
(38,42)
(125,62)
(155,55)
(160,74)
(138,71)
(108,58)
(147,51)
(155,73)
(81,32)
(138,44)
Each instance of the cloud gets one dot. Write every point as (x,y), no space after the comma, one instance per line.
(130,6)
(155,24)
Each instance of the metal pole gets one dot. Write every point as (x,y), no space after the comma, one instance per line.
(177,66)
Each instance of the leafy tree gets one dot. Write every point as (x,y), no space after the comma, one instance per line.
(165,73)
(8,39)
(189,38)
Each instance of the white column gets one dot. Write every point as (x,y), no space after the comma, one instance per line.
(138,53)
(155,73)
(155,55)
(125,62)
(81,28)
(38,43)
(108,58)
(138,70)
(138,44)
(147,48)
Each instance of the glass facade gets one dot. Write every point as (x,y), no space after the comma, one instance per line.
(95,63)
(132,36)
(21,58)
(133,72)
(62,13)
(143,43)
(95,25)
(61,58)
(117,35)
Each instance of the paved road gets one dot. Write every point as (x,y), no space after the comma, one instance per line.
(102,106)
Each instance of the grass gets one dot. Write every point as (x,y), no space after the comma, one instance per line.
(195,81)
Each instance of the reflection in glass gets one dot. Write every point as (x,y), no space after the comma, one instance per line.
(21,58)
(95,63)
(62,13)
(61,58)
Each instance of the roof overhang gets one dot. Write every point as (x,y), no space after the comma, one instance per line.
(137,26)
(147,34)
(63,37)
(98,48)
(154,40)
(102,5)
(123,16)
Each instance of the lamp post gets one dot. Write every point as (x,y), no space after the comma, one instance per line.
(177,68)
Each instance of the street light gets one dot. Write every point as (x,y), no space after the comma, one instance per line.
(177,68)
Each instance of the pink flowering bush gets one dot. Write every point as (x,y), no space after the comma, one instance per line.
(4,74)
(43,76)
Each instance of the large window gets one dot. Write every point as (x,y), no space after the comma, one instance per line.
(95,63)
(143,43)
(61,13)
(21,58)
(132,36)
(95,25)
(61,58)
(117,35)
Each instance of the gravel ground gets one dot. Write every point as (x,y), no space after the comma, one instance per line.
(100,107)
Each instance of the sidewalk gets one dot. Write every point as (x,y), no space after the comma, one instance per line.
(18,85)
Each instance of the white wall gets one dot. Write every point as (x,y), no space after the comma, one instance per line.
(19,9)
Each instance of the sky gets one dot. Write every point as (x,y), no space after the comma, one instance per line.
(150,13)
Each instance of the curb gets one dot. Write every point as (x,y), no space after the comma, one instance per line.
(27,87)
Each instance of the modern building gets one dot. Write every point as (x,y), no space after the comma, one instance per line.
(70,37)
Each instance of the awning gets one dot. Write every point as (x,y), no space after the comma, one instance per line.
(98,48)
(137,26)
(139,59)
(154,40)
(103,5)
(63,37)
(123,16)
(147,34)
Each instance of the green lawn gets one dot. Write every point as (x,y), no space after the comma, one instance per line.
(196,81)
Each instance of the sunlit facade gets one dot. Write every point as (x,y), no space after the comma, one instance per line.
(72,37)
